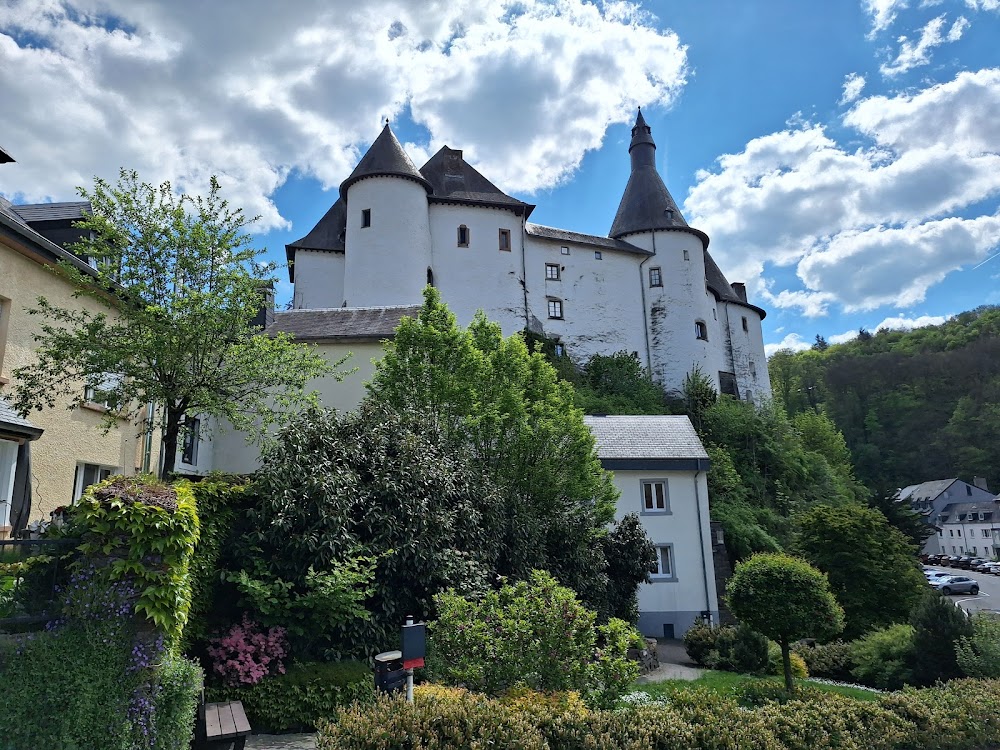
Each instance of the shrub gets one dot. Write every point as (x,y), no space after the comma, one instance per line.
(178,687)
(699,641)
(630,554)
(775,666)
(830,660)
(884,658)
(534,634)
(979,656)
(296,700)
(749,652)
(246,654)
(937,626)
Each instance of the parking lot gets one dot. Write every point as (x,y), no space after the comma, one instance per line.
(989,590)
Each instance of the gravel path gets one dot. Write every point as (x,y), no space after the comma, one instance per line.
(674,664)
(282,742)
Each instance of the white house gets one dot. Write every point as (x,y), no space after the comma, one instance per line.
(970,529)
(660,468)
(932,498)
(650,286)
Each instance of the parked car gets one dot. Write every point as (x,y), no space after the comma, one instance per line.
(932,574)
(944,560)
(978,564)
(956,585)
(962,562)
(992,568)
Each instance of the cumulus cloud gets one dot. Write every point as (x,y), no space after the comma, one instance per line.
(793,342)
(914,54)
(863,226)
(183,90)
(853,85)
(983,4)
(883,12)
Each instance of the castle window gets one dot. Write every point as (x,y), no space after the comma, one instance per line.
(700,330)
(687,255)
(463,236)
(555,309)
(564,250)
(366,217)
(552,272)
(505,240)
(559,350)
(746,326)
(753,369)
(430,277)
(655,279)
(597,255)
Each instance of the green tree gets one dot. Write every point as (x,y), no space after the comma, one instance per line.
(938,626)
(618,384)
(507,410)
(786,599)
(854,546)
(185,284)
(630,555)
(979,655)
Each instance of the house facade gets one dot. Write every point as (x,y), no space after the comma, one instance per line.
(932,499)
(661,471)
(649,287)
(971,529)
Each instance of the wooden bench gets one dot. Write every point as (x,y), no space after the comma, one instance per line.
(223,724)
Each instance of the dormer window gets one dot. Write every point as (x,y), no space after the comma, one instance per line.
(700,330)
(463,236)
(366,217)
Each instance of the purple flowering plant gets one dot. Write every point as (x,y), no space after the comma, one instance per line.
(247,653)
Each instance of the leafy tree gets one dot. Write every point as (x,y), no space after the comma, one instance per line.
(883,658)
(618,384)
(186,285)
(905,520)
(979,655)
(786,599)
(851,544)
(938,626)
(507,410)
(630,555)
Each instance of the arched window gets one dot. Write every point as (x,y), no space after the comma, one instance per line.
(463,236)
(701,330)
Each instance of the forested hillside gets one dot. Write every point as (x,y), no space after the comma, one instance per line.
(912,406)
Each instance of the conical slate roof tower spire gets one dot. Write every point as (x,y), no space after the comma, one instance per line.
(646,204)
(385,158)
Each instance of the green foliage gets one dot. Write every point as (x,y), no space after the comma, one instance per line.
(331,490)
(786,599)
(831,661)
(979,654)
(178,689)
(937,626)
(532,634)
(630,555)
(851,543)
(964,715)
(186,285)
(618,384)
(775,663)
(728,648)
(507,410)
(884,658)
(148,532)
(297,700)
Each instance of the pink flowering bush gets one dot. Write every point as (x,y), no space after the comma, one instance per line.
(246,654)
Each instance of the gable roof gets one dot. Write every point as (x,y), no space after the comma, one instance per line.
(564,235)
(66,211)
(722,289)
(453,179)
(385,157)
(328,235)
(12,423)
(5,158)
(341,323)
(638,442)
(930,490)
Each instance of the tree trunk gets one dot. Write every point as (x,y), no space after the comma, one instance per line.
(171,430)
(786,662)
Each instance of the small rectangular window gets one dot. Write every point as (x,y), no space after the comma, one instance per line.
(746,326)
(654,277)
(101,393)
(986,533)
(505,240)
(959,532)
(88,474)
(664,565)
(552,271)
(564,250)
(463,236)
(654,496)
(951,532)
(555,309)
(687,255)
(366,217)
(700,330)
(597,255)
(191,438)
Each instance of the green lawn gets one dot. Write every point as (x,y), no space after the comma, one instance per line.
(727,682)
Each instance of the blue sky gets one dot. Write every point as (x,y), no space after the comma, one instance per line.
(844,157)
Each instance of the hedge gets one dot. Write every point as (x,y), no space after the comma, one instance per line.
(297,700)
(962,715)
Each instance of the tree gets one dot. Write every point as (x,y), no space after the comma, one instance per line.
(185,285)
(820,345)
(786,599)
(979,655)
(507,410)
(618,384)
(630,555)
(851,544)
(938,626)
(911,524)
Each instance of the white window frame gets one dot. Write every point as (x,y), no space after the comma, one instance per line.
(655,277)
(92,394)
(552,272)
(103,472)
(8,468)
(555,308)
(652,484)
(664,551)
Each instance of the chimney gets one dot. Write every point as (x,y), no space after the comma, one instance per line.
(265,313)
(980,482)
(740,289)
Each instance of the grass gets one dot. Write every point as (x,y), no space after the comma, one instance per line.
(726,682)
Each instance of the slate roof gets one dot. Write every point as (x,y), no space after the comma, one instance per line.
(721,288)
(341,323)
(385,157)
(454,179)
(926,489)
(654,437)
(7,210)
(953,510)
(564,235)
(38,243)
(328,235)
(72,211)
(5,158)
(12,422)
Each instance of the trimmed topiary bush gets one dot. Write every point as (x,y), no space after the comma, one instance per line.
(699,641)
(828,660)
(884,658)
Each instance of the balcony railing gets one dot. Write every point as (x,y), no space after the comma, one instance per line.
(30,571)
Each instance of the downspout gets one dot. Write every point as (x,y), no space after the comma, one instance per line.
(701,543)
(524,269)
(645,320)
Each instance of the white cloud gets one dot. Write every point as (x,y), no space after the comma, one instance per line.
(792,341)
(183,90)
(899,323)
(914,54)
(853,85)
(863,227)
(883,12)
(843,338)
(983,4)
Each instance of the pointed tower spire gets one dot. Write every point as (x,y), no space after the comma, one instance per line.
(385,158)
(642,149)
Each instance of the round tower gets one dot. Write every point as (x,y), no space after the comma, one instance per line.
(388,237)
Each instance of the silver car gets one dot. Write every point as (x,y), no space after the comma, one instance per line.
(955,585)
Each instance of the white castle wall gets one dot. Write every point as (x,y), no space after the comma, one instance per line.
(319,279)
(387,262)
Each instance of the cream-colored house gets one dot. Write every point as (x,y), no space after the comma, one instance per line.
(68,448)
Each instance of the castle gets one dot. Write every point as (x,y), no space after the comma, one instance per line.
(649,287)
